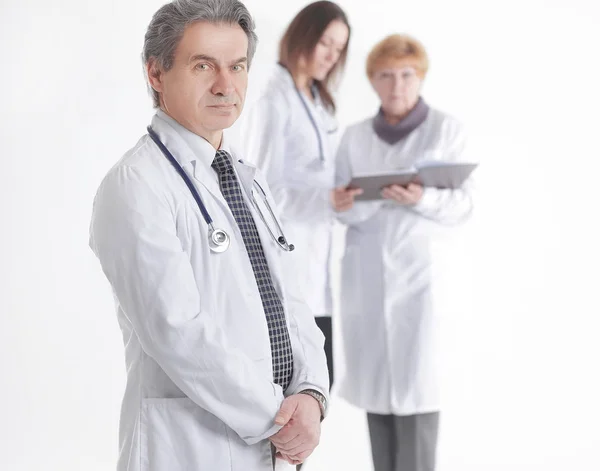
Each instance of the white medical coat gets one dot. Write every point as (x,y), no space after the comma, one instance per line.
(200,393)
(281,133)
(391,270)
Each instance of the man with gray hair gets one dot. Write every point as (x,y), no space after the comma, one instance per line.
(225,366)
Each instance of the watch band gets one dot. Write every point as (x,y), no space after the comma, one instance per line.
(320,399)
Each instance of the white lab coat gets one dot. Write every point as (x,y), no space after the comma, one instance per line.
(391,270)
(282,141)
(200,394)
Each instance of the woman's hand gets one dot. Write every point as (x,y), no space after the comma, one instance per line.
(342,198)
(408,196)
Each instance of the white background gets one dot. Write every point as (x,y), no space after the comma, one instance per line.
(522,384)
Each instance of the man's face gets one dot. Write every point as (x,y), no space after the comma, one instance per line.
(205,88)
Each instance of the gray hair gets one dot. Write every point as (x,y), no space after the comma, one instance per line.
(169,22)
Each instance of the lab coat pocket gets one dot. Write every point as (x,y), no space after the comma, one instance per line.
(178,435)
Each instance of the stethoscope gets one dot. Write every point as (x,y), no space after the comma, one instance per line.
(312,119)
(218,239)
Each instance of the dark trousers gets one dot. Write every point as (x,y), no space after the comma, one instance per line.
(403,443)
(324,323)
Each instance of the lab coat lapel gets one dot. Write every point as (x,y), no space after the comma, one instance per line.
(201,175)
(247,174)
(195,163)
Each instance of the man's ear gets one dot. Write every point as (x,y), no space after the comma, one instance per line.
(154,72)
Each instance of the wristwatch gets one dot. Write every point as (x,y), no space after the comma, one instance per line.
(320,399)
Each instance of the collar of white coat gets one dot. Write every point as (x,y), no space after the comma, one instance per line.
(283,74)
(196,152)
(198,148)
(316,108)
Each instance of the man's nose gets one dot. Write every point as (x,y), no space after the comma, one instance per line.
(223,84)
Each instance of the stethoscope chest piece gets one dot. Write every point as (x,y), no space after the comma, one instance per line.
(218,240)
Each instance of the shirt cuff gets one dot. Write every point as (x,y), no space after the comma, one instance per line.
(427,200)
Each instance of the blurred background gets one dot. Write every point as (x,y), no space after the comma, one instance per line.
(520,391)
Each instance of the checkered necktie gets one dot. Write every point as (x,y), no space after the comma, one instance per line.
(281,349)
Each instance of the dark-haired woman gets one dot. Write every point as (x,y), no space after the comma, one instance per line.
(291,134)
